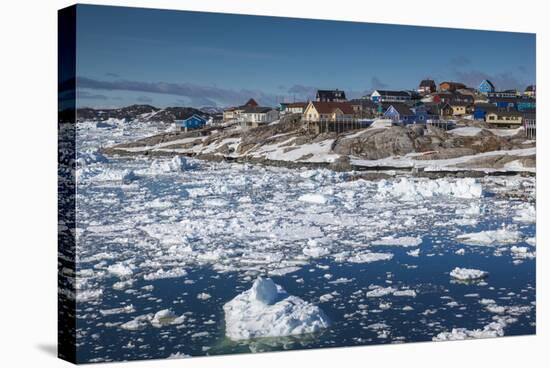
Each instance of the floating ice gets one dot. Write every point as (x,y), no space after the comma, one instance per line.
(314,250)
(526,214)
(405,292)
(176,164)
(161,274)
(266,310)
(203,296)
(468,274)
(410,189)
(113,175)
(380,291)
(368,257)
(405,241)
(90,157)
(414,253)
(126,309)
(166,317)
(313,198)
(491,237)
(121,270)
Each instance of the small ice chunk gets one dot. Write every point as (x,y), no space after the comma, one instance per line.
(121,270)
(468,274)
(203,296)
(313,198)
(161,274)
(166,317)
(405,241)
(380,291)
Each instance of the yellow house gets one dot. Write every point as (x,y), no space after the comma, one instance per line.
(460,108)
(328,111)
(504,118)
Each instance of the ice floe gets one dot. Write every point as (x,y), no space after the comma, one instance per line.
(405,241)
(410,189)
(491,237)
(468,274)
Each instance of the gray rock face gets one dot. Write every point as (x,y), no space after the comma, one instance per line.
(373,144)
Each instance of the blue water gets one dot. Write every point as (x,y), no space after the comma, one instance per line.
(273,193)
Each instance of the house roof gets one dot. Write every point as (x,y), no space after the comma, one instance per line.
(454,84)
(505,112)
(251,102)
(392,93)
(256,110)
(459,103)
(488,82)
(330,107)
(509,99)
(364,102)
(331,94)
(402,109)
(296,104)
(427,83)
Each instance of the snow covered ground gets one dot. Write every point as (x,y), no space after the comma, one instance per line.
(164,244)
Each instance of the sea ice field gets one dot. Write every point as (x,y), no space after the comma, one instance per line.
(178,257)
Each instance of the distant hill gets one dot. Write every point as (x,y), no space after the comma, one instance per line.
(143,113)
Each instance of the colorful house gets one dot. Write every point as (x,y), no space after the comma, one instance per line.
(427,86)
(293,107)
(451,86)
(192,122)
(328,111)
(425,112)
(502,117)
(389,96)
(486,87)
(446,111)
(330,95)
(253,116)
(460,108)
(481,109)
(400,113)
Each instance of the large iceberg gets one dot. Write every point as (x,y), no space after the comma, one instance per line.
(267,310)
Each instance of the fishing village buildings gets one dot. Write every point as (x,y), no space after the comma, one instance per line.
(449,102)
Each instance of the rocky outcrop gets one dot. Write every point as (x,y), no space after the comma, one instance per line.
(373,144)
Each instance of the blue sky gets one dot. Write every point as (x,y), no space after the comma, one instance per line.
(178,58)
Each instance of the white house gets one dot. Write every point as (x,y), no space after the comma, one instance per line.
(390,96)
(253,116)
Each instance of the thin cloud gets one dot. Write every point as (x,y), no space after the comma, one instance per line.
(376,83)
(214,96)
(501,81)
(460,61)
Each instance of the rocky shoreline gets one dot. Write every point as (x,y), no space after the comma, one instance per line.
(425,152)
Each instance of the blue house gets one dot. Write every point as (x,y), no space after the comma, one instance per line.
(423,113)
(400,113)
(481,110)
(486,87)
(193,122)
